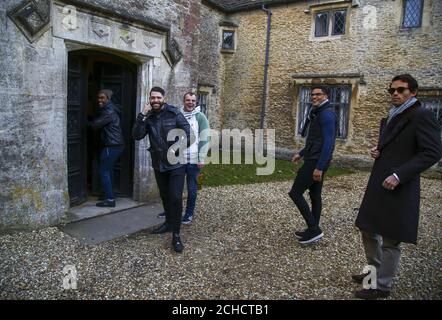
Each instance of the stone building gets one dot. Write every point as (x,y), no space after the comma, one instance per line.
(354,47)
(56,54)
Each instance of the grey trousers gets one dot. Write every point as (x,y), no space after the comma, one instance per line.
(384,254)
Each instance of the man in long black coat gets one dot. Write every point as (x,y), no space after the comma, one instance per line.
(409,143)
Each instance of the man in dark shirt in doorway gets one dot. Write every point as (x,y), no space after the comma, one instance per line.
(317,153)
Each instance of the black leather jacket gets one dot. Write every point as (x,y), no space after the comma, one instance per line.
(110,122)
(158,125)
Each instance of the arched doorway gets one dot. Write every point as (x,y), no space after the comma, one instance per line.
(88,72)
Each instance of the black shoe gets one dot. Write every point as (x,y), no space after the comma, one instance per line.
(176,243)
(161,215)
(106,203)
(300,234)
(359,278)
(311,235)
(165,227)
(371,294)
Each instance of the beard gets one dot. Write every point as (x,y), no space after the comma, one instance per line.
(157,106)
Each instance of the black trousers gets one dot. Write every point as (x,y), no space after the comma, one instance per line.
(303,181)
(171,184)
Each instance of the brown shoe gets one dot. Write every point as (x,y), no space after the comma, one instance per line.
(371,294)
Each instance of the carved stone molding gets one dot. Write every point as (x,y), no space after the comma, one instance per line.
(99,30)
(32,18)
(173,52)
(127,39)
(101,33)
(149,44)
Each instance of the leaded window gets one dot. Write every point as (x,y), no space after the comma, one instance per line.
(339,22)
(330,23)
(202,101)
(321,24)
(228,42)
(434,103)
(339,97)
(413,13)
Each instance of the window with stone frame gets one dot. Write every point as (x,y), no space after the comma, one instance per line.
(413,10)
(434,103)
(330,22)
(228,40)
(339,97)
(203,98)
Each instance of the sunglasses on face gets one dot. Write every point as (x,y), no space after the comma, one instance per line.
(398,89)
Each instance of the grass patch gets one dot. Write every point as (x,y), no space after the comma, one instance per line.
(231,174)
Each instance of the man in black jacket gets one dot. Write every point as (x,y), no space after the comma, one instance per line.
(158,119)
(317,154)
(409,142)
(112,141)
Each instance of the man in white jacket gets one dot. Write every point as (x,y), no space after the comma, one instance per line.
(196,153)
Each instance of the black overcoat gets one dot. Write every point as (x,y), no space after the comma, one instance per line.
(408,145)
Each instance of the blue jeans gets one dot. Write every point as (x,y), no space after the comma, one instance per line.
(192,172)
(108,157)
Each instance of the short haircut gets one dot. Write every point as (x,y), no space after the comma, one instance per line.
(189,93)
(322,88)
(412,82)
(158,89)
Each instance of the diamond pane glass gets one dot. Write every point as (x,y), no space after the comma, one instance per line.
(339,22)
(228,37)
(413,13)
(202,102)
(339,98)
(321,24)
(433,103)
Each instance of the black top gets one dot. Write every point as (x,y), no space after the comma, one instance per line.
(109,121)
(157,125)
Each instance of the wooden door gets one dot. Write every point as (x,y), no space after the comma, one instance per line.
(121,80)
(76,130)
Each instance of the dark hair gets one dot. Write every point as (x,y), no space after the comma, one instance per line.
(322,88)
(158,89)
(412,82)
(189,93)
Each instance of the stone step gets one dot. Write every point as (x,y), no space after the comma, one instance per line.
(114,225)
(89,210)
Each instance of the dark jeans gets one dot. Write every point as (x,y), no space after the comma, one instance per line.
(192,172)
(108,157)
(303,181)
(171,184)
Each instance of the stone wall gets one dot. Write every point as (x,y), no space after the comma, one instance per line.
(33,188)
(33,80)
(209,68)
(376,49)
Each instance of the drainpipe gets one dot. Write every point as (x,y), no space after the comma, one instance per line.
(266,67)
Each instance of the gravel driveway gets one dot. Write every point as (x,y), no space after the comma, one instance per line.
(239,246)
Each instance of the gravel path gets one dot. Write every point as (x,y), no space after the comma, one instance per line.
(240,246)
